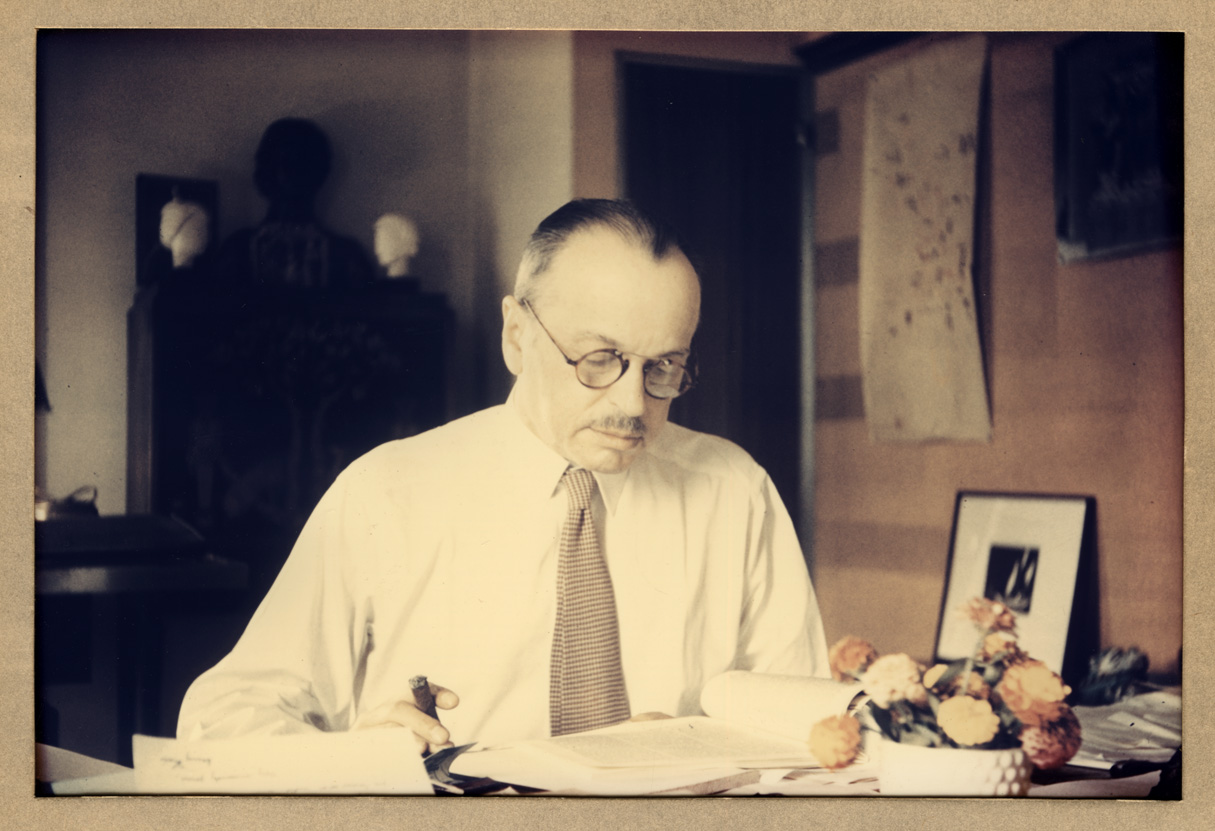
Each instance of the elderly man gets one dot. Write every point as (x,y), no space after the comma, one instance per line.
(564,561)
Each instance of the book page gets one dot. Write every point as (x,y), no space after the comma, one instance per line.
(692,741)
(754,721)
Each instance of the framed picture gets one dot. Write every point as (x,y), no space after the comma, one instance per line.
(1032,553)
(1119,167)
(193,228)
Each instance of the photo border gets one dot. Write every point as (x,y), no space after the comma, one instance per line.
(16,428)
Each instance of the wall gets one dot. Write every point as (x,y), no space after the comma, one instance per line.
(114,104)
(475,135)
(1084,368)
(521,137)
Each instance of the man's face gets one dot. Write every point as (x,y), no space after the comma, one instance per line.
(600,292)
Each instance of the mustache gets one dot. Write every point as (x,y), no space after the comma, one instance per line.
(621,425)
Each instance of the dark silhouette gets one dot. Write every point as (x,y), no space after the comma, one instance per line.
(291,247)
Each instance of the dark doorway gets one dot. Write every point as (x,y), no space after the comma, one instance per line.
(715,151)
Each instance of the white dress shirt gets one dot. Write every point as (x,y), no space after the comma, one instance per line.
(437,555)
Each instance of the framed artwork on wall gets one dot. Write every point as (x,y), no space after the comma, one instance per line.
(176,225)
(1119,167)
(1034,554)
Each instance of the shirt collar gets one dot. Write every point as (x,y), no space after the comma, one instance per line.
(541,467)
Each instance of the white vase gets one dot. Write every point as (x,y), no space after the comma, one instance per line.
(909,770)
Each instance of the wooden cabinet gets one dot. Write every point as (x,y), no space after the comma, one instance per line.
(244,405)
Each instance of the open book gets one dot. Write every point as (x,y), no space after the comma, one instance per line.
(753,721)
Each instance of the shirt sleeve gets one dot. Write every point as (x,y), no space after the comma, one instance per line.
(293,669)
(782,628)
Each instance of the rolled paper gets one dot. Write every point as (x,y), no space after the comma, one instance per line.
(787,705)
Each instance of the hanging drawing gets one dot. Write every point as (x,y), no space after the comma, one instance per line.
(921,360)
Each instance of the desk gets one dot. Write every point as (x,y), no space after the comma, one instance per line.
(143,562)
(1108,736)
(63,773)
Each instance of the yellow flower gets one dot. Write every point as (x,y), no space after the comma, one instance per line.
(968,720)
(835,741)
(1032,691)
(1052,743)
(894,678)
(850,657)
(933,675)
(990,615)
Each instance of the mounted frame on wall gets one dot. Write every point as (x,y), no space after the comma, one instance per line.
(176,225)
(1035,554)
(1119,144)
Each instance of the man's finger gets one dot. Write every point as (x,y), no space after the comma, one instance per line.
(445,699)
(407,715)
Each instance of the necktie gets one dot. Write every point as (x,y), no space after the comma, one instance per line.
(587,688)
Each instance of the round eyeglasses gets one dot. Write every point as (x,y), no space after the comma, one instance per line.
(664,378)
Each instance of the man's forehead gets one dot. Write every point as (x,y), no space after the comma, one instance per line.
(604,253)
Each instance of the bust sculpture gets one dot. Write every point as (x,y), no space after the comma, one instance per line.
(396,243)
(184,230)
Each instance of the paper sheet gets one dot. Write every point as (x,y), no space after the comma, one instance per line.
(1144,727)
(689,743)
(519,766)
(382,761)
(1132,787)
(755,721)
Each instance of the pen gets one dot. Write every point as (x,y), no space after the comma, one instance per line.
(422,695)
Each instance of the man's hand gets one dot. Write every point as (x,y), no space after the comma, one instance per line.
(429,733)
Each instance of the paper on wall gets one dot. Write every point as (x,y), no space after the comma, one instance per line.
(921,362)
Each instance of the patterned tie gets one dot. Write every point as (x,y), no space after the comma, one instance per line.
(587,689)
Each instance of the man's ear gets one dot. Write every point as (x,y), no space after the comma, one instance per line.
(513,328)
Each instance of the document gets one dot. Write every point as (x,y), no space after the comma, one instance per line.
(752,721)
(1144,727)
(355,762)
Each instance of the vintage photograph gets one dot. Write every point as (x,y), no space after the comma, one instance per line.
(516,414)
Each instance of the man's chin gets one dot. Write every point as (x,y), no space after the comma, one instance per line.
(610,459)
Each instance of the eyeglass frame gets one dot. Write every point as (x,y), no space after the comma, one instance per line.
(689,367)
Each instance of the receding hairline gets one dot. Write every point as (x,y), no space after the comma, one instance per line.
(538,256)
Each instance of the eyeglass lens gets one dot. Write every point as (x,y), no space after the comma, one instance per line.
(602,368)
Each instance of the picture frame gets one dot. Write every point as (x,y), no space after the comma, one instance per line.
(1119,144)
(153,261)
(1034,553)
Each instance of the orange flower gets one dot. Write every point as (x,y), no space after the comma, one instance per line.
(990,615)
(894,678)
(968,720)
(850,657)
(835,741)
(1032,691)
(1002,644)
(1052,743)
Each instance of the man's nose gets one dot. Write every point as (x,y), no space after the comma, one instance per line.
(628,393)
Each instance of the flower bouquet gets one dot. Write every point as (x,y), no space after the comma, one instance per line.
(997,698)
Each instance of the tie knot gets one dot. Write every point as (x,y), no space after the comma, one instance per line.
(581,486)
